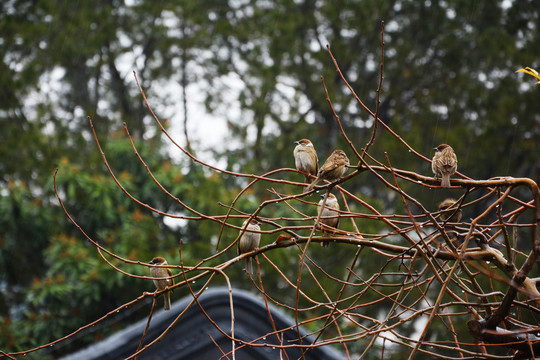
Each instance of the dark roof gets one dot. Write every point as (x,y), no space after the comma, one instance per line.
(189,338)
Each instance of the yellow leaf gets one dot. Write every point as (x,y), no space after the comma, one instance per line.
(531,72)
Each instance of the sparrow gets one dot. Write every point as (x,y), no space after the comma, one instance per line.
(332,203)
(445,214)
(333,168)
(305,158)
(249,240)
(444,163)
(161,284)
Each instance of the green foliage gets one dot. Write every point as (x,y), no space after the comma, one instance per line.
(25,222)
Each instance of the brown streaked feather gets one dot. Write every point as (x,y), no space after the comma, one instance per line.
(444,163)
(333,168)
(452,214)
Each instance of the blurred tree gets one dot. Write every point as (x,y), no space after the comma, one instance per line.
(448,77)
(60,63)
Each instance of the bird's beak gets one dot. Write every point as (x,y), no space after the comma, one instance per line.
(322,196)
(297,143)
(435,148)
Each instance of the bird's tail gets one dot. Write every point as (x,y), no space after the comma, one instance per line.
(249,266)
(445,182)
(312,185)
(167,301)
(308,181)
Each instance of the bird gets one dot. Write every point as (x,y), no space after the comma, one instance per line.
(333,168)
(328,217)
(161,284)
(451,215)
(249,240)
(305,158)
(444,163)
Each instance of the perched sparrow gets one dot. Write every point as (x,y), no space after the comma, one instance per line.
(444,163)
(305,157)
(333,168)
(162,283)
(445,214)
(249,241)
(332,203)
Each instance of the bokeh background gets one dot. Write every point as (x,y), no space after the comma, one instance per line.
(236,82)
